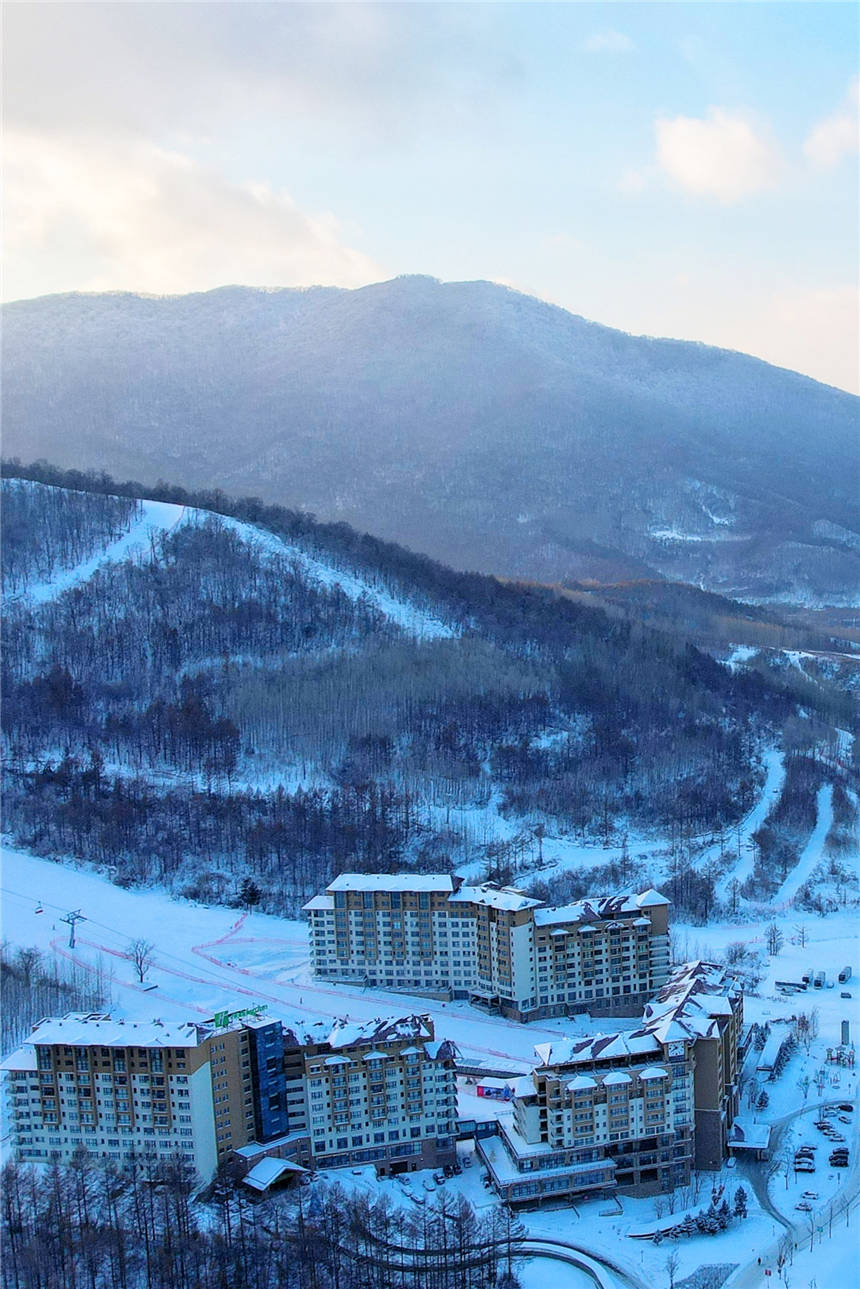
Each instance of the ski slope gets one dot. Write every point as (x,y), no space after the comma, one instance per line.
(411,619)
(157,517)
(769,795)
(813,851)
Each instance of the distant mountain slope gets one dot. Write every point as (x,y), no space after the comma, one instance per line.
(482,426)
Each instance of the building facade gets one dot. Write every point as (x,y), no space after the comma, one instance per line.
(123,1089)
(633,1111)
(381,1092)
(493,945)
(238,1087)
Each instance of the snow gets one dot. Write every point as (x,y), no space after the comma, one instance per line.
(157,517)
(82,1030)
(739,655)
(813,851)
(207,959)
(414,621)
(504,898)
(774,779)
(439,882)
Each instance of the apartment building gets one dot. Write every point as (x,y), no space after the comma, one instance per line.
(240,1086)
(632,1111)
(130,1088)
(381,1092)
(493,945)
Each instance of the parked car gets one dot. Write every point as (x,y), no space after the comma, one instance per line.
(846,1107)
(839,1163)
(845,994)
(804,1206)
(810,1194)
(439,1179)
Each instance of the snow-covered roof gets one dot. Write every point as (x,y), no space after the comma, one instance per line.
(349,1033)
(580,1082)
(506,898)
(441,882)
(101,1030)
(255,1148)
(605,909)
(600,1047)
(616,1077)
(268,1170)
(23,1058)
(324,902)
(745,1134)
(653,1072)
(376,1055)
(690,1004)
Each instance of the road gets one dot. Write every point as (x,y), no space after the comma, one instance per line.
(751,1275)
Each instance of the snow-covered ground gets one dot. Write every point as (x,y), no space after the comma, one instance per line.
(774,779)
(157,517)
(210,958)
(813,851)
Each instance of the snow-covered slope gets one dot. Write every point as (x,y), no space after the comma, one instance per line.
(160,517)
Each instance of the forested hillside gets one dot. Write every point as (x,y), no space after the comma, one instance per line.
(252,701)
(481,426)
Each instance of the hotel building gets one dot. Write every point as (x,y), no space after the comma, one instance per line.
(493,945)
(237,1087)
(632,1111)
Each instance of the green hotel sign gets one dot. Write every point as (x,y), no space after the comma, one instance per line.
(222,1019)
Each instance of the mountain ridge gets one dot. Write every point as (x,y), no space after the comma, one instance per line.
(489,429)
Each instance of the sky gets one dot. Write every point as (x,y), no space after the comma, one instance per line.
(675,169)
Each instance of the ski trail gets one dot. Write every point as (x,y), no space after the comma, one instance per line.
(157,517)
(774,779)
(813,850)
(410,618)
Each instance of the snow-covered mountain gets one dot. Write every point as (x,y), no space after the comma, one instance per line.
(465,420)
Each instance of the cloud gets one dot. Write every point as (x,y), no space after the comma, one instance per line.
(633,181)
(378,72)
(838,135)
(722,156)
(87,214)
(608,42)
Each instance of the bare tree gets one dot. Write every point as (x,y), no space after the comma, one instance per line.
(775,939)
(142,953)
(672,1262)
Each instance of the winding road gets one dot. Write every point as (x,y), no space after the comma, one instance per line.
(751,1275)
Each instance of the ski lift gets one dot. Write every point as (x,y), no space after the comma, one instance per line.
(39,907)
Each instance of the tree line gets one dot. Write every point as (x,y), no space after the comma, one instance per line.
(90,1225)
(213,711)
